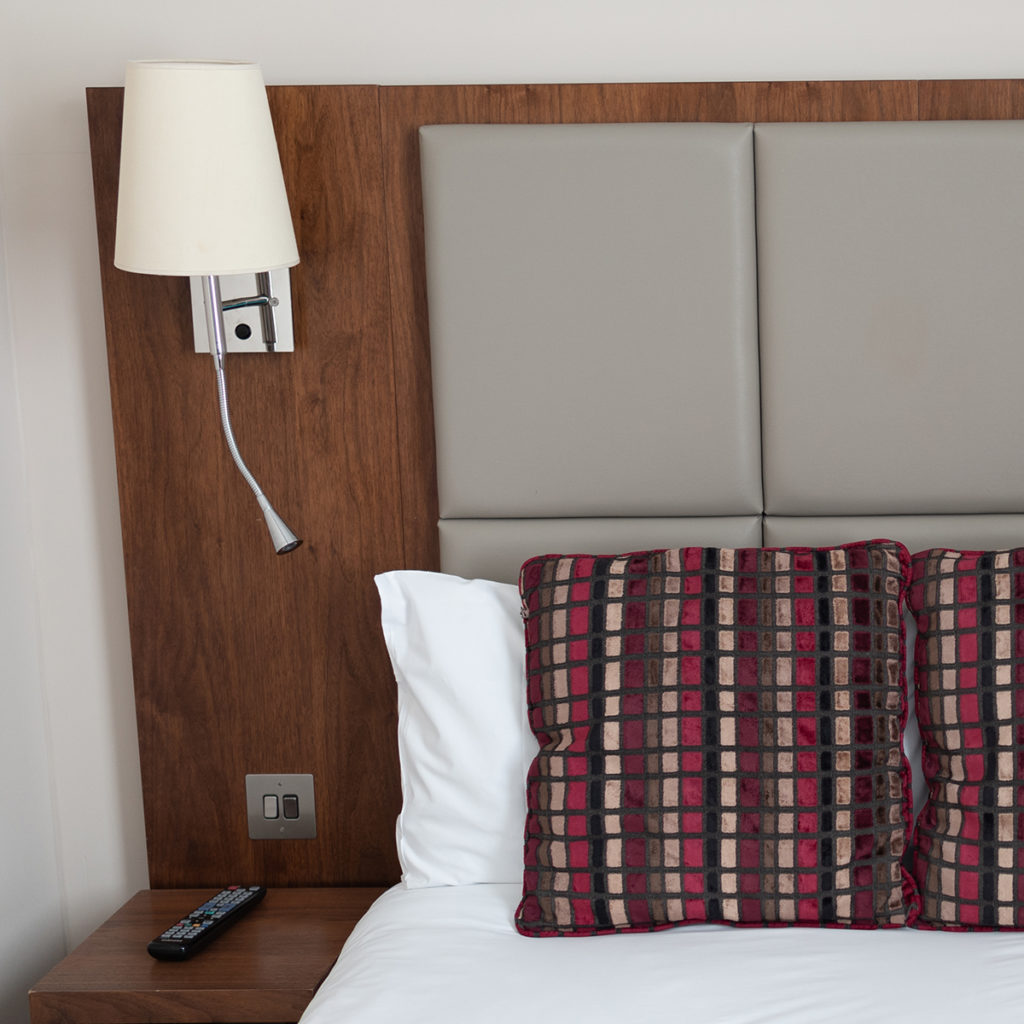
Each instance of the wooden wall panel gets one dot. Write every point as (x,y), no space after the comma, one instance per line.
(740,101)
(249,662)
(246,661)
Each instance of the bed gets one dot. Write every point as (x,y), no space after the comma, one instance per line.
(712,339)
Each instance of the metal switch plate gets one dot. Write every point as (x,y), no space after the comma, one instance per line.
(292,793)
(242,330)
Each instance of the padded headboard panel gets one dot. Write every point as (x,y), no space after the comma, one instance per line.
(654,335)
(567,272)
(891,313)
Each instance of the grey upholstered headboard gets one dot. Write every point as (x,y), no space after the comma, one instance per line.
(662,335)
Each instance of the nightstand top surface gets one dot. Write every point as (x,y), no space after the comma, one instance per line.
(264,968)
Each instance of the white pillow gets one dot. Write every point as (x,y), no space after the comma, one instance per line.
(464,741)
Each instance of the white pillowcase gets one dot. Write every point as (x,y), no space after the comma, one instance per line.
(464,741)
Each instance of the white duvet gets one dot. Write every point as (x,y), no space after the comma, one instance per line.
(451,954)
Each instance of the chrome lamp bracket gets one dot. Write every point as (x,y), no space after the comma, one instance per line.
(257,312)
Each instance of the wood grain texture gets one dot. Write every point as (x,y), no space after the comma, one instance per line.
(969,100)
(246,662)
(740,101)
(265,968)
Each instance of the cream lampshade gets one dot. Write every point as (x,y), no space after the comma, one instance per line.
(201,190)
(201,195)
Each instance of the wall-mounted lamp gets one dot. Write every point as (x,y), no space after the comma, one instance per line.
(202,195)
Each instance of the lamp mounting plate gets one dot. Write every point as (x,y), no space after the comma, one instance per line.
(243,330)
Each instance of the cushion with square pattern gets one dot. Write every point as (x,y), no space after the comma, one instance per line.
(968,854)
(720,739)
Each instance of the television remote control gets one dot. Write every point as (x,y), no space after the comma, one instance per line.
(206,922)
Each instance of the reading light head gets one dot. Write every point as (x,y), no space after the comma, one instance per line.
(283,538)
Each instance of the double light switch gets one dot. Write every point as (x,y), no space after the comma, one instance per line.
(284,806)
(280,806)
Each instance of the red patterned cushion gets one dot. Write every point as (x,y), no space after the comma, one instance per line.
(969,673)
(720,737)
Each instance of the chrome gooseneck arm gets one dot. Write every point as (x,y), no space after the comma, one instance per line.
(283,538)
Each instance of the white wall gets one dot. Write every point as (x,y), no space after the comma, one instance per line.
(32,934)
(75,825)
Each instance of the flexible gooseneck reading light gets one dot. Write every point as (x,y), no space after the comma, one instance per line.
(202,195)
(283,538)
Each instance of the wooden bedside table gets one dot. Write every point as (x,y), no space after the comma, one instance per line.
(263,969)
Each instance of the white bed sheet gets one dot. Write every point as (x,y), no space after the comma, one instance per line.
(452,954)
